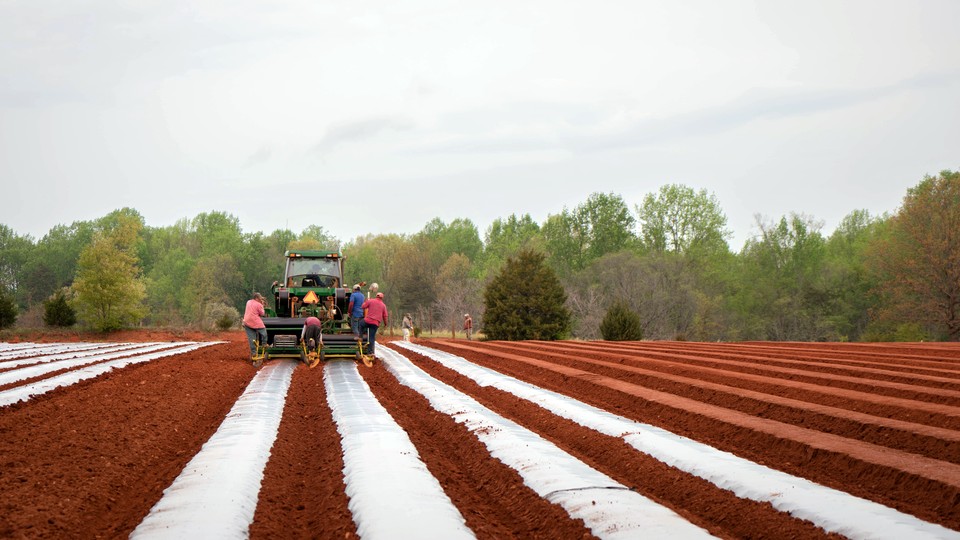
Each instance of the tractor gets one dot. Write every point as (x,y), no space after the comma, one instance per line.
(312,286)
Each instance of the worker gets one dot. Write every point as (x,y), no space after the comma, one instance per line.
(254,327)
(355,310)
(376,316)
(468,325)
(407,326)
(312,333)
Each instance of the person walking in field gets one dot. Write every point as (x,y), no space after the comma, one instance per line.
(407,327)
(376,315)
(468,325)
(254,327)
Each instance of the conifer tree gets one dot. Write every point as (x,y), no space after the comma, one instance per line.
(525,301)
(57,312)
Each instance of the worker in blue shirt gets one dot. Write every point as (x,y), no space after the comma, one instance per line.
(355,309)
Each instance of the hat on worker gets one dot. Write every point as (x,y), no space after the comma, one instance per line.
(466,314)
(356,287)
(379,295)
(258,296)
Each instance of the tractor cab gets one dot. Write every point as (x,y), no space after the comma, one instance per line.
(311,286)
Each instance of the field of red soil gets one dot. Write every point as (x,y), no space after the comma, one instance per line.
(881,422)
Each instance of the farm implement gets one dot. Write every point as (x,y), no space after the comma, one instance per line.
(312,286)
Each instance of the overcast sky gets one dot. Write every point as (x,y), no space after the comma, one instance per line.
(377,116)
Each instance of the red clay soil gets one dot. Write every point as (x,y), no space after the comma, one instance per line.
(90,460)
(303,494)
(927,486)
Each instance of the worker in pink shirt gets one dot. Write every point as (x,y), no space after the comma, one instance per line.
(253,325)
(312,335)
(376,316)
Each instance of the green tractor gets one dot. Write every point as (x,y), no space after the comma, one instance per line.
(312,286)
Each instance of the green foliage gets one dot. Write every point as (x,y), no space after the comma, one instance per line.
(460,236)
(108,291)
(678,219)
(600,225)
(208,285)
(505,237)
(889,277)
(8,309)
(223,317)
(525,301)
(57,310)
(847,281)
(14,256)
(917,262)
(781,293)
(621,324)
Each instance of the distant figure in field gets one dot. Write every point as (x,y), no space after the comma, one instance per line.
(407,327)
(468,325)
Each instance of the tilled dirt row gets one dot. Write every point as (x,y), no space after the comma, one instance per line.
(833,447)
(90,460)
(895,422)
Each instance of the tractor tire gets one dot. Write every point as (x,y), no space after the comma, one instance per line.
(303,356)
(322,356)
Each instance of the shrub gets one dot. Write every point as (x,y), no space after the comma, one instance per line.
(8,310)
(57,311)
(621,323)
(223,316)
(416,331)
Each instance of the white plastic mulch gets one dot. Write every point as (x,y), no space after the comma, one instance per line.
(833,510)
(25,392)
(609,509)
(392,494)
(36,367)
(216,494)
(33,351)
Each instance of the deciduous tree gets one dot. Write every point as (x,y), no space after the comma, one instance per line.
(679,219)
(918,262)
(108,289)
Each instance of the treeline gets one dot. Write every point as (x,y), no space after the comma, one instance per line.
(666,258)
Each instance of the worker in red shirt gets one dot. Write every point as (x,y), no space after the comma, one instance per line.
(376,315)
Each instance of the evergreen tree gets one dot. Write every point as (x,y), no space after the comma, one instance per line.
(525,301)
(621,323)
(57,312)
